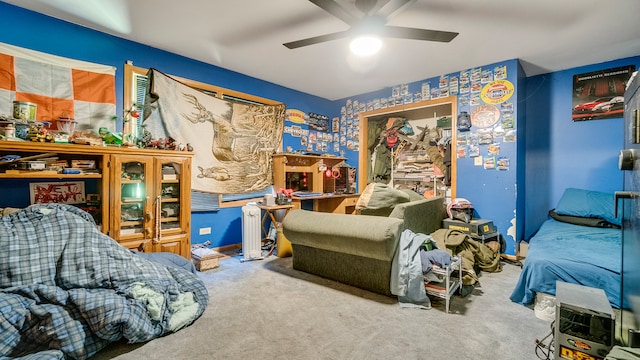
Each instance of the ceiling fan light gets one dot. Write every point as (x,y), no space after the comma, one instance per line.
(365,45)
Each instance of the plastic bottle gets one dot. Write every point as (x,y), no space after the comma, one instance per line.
(10,131)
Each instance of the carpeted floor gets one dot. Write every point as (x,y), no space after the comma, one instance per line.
(266,310)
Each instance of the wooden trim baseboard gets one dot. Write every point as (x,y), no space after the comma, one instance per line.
(224,250)
(509,257)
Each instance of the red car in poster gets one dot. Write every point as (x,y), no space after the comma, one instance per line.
(587,107)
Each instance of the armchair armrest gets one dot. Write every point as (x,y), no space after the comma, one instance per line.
(362,235)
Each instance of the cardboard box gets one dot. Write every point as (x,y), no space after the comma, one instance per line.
(476,227)
(206,260)
(523,248)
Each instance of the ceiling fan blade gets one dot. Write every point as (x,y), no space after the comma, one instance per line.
(366,6)
(316,39)
(336,10)
(418,34)
(394,6)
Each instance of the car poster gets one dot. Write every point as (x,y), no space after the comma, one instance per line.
(600,94)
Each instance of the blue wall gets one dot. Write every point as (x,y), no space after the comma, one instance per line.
(557,152)
(495,194)
(61,38)
(561,153)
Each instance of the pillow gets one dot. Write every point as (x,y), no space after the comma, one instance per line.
(584,221)
(588,203)
(379,200)
(413,196)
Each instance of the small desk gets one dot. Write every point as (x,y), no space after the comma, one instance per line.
(269,213)
(334,203)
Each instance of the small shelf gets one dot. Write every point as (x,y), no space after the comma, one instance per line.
(448,286)
(130,223)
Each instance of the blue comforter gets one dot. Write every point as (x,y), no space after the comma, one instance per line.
(66,289)
(583,255)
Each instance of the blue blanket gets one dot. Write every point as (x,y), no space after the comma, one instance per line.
(583,255)
(68,289)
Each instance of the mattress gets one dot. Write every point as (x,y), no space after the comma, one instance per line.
(584,255)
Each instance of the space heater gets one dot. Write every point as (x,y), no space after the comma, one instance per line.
(251,241)
(585,322)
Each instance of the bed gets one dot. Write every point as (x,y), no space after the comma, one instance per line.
(67,290)
(580,243)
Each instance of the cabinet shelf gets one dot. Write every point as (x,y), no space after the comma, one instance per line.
(35,175)
(130,223)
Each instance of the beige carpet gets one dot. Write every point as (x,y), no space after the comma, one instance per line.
(266,310)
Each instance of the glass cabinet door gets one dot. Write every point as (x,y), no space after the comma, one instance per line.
(169,197)
(151,202)
(132,202)
(172,205)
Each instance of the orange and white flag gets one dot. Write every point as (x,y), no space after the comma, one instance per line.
(58,86)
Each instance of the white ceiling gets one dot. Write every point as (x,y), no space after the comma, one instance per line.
(247,36)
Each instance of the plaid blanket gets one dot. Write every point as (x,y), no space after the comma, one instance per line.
(68,290)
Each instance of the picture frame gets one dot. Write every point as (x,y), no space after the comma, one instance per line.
(600,94)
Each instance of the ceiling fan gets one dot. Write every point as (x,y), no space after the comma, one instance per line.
(372,22)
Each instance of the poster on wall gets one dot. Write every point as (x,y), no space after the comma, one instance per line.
(600,94)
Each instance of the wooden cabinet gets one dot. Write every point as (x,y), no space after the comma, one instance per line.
(308,173)
(139,197)
(341,204)
(151,202)
(304,172)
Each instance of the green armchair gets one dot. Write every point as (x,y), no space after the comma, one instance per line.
(357,249)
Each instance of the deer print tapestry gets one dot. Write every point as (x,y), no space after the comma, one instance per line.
(232,142)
